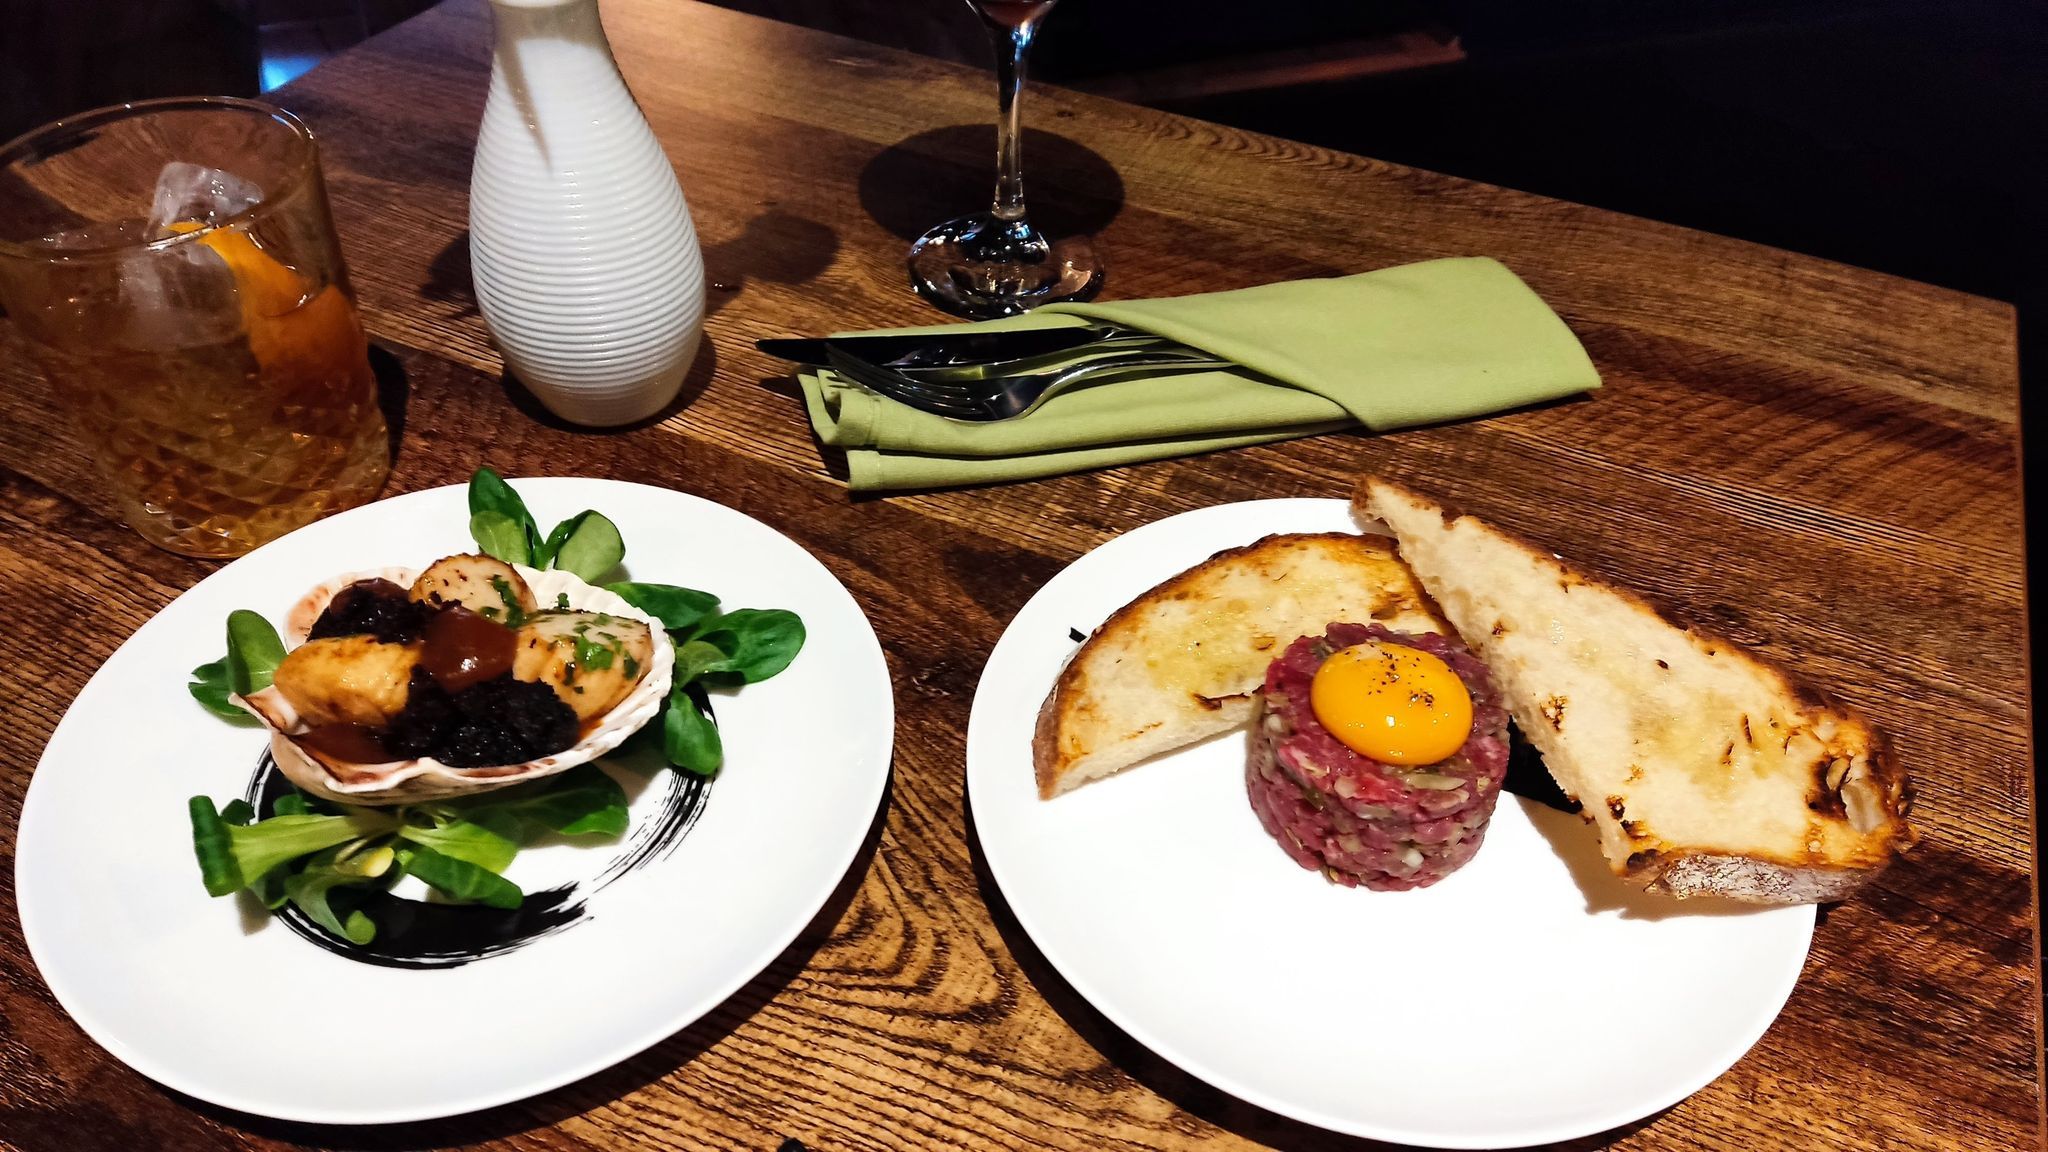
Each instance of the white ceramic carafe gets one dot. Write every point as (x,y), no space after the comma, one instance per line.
(586,264)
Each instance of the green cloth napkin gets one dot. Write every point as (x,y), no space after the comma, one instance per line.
(1417,344)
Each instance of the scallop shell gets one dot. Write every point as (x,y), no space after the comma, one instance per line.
(410,781)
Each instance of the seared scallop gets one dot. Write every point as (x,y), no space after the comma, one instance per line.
(591,660)
(347,680)
(486,586)
(405,781)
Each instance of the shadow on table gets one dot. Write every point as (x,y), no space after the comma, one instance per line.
(449,280)
(393,390)
(934,176)
(698,378)
(777,246)
(622,1079)
(1184,1091)
(448,276)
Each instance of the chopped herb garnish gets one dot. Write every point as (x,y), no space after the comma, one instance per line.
(593,654)
(632,668)
(562,601)
(514,616)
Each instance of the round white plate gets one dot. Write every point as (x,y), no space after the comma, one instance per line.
(234,1008)
(1510,1004)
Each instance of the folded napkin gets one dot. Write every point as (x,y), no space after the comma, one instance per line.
(1417,344)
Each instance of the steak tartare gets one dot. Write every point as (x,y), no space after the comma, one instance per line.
(1359,821)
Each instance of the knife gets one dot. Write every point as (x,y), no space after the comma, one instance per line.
(939,350)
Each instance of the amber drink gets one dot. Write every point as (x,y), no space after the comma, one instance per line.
(172,267)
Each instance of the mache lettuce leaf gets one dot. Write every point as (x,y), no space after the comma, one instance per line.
(458,879)
(232,856)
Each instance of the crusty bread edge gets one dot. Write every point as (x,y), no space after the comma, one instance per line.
(1055,776)
(1754,881)
(1045,738)
(1705,872)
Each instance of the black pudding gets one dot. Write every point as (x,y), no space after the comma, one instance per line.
(498,721)
(376,608)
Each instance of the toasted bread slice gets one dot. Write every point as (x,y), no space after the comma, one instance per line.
(1707,770)
(1181,662)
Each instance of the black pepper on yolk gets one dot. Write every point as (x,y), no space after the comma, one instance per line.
(1395,704)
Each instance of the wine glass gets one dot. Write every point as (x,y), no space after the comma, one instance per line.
(995,263)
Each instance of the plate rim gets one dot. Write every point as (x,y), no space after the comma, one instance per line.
(68,995)
(1076,978)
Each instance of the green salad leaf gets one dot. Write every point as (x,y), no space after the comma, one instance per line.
(311,853)
(694,658)
(501,536)
(459,879)
(678,609)
(544,556)
(254,652)
(757,642)
(269,888)
(689,734)
(233,855)
(584,801)
(590,548)
(209,686)
(510,525)
(215,849)
(465,840)
(309,890)
(587,544)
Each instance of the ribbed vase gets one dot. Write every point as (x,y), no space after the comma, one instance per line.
(586,264)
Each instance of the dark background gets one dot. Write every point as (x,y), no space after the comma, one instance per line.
(1908,136)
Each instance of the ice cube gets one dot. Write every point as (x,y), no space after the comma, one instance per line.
(184,295)
(198,193)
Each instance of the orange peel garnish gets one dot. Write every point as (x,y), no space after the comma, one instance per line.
(287,331)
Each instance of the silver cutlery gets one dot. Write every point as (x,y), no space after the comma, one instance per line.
(938,350)
(1007,396)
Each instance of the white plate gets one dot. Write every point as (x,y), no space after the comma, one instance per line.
(1495,1009)
(236,1009)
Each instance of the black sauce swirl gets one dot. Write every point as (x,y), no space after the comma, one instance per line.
(419,934)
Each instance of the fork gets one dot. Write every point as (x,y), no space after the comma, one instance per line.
(1005,397)
(1127,340)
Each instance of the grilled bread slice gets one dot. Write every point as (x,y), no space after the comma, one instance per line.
(1181,662)
(1706,770)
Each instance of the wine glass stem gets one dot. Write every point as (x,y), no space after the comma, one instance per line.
(1012,46)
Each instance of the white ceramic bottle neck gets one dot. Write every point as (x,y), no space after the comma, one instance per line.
(544,47)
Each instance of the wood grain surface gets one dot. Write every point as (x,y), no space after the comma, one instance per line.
(1819,461)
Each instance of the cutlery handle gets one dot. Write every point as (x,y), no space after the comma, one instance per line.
(1082,372)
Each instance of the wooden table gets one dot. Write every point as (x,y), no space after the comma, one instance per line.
(1817,460)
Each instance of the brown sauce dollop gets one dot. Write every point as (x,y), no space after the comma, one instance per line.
(462,705)
(355,743)
(463,649)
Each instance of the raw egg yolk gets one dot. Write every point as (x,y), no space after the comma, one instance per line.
(1395,704)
